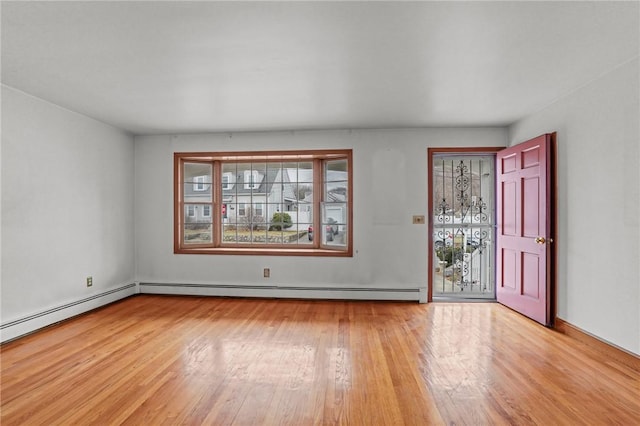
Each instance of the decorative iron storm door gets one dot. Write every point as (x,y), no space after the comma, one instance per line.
(463,226)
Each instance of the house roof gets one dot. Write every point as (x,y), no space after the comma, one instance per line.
(265,185)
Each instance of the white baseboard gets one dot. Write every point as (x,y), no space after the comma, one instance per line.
(417,294)
(28,324)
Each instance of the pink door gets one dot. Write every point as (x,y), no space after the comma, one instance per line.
(523,248)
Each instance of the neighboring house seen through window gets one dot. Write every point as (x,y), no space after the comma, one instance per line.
(227,180)
(199,183)
(252,179)
(285,203)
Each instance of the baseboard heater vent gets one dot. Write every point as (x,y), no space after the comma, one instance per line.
(277,291)
(16,328)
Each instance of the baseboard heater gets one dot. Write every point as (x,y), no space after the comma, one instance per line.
(278,291)
(28,324)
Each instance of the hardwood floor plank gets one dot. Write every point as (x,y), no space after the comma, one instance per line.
(153,360)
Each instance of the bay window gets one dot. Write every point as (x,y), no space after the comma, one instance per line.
(283,203)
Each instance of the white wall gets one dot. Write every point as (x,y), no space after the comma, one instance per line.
(598,203)
(390,170)
(67,206)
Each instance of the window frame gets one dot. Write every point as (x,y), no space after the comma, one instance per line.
(217,159)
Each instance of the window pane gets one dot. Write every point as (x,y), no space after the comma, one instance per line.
(229,233)
(336,191)
(306,237)
(243,177)
(193,170)
(304,193)
(244,233)
(197,182)
(196,213)
(305,211)
(251,221)
(334,235)
(251,178)
(336,181)
(305,172)
(334,213)
(283,229)
(229,178)
(276,237)
(313,233)
(334,223)
(289,192)
(259,235)
(291,235)
(197,233)
(336,170)
(290,172)
(280,220)
(335,207)
(274,172)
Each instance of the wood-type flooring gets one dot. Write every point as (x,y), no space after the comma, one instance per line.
(169,360)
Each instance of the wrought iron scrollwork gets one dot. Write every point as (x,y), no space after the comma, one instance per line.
(462,233)
(466,279)
(480,237)
(442,212)
(479,209)
(462,184)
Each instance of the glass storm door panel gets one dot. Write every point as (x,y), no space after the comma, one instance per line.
(463,226)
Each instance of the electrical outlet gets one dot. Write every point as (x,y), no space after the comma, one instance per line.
(89,281)
(418,220)
(267,272)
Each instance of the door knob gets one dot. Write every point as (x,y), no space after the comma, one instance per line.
(540,240)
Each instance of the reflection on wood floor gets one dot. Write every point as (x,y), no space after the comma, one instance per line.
(152,360)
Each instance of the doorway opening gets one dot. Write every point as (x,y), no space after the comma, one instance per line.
(462,224)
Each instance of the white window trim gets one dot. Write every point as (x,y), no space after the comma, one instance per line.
(191,210)
(204,210)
